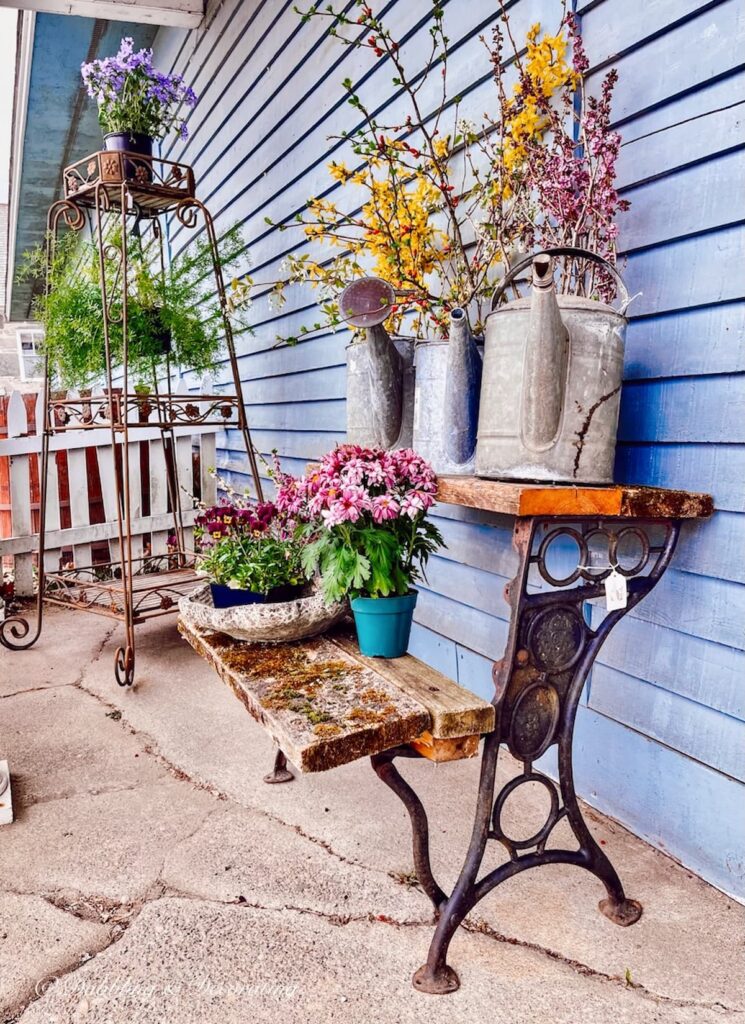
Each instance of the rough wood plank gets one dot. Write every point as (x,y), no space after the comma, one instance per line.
(454,712)
(320,705)
(617,501)
(440,751)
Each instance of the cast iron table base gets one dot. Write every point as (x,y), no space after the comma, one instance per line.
(538,684)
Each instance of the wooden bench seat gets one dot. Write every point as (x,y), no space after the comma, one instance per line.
(325,704)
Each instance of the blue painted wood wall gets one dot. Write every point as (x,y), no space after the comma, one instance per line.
(660,740)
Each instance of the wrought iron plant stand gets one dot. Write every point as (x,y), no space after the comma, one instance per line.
(116,195)
(538,684)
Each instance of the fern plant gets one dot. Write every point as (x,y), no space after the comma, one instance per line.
(176,312)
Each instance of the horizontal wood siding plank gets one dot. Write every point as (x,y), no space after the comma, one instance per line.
(654,156)
(693,342)
(707,608)
(692,272)
(696,199)
(674,802)
(708,736)
(687,409)
(715,547)
(725,92)
(708,673)
(327,415)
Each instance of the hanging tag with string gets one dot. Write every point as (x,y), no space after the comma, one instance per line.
(616,590)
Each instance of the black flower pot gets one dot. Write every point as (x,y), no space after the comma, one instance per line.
(228,597)
(132,142)
(161,334)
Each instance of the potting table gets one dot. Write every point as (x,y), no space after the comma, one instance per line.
(325,704)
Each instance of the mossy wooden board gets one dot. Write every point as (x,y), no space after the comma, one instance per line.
(321,706)
(615,500)
(325,704)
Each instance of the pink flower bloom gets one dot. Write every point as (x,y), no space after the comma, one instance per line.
(348,507)
(416,502)
(384,507)
(354,471)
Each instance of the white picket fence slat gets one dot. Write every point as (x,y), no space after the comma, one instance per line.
(146,448)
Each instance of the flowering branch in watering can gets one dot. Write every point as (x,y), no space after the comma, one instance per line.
(439,209)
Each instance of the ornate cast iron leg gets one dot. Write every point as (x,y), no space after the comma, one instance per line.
(387,772)
(280,772)
(550,651)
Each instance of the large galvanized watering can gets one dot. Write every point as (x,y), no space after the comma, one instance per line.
(401,394)
(553,367)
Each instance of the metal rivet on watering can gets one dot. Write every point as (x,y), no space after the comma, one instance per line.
(553,366)
(380,376)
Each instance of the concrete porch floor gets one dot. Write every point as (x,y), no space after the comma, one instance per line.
(150,876)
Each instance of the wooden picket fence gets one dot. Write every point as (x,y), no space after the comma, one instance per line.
(81,512)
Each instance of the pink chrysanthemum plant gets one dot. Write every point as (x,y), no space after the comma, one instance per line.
(363,513)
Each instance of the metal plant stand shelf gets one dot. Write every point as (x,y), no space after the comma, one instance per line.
(116,195)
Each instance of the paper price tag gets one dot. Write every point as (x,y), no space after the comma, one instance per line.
(616,591)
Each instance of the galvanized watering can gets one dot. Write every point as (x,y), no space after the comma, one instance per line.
(380,370)
(402,394)
(551,388)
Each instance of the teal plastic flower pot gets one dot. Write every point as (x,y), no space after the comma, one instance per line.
(384,624)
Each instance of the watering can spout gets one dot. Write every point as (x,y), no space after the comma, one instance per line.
(546,357)
(462,387)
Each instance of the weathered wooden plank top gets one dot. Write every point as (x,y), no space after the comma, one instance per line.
(453,710)
(615,500)
(326,705)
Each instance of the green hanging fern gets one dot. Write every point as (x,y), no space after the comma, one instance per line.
(181,303)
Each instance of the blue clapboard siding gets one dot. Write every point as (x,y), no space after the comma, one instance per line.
(661,728)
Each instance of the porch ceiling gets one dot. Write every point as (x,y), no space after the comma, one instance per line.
(61,122)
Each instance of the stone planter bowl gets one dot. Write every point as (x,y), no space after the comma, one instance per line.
(264,623)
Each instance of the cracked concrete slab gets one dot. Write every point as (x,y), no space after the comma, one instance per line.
(239,853)
(186,960)
(164,793)
(111,845)
(59,654)
(74,747)
(38,940)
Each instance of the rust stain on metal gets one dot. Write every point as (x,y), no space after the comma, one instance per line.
(579,444)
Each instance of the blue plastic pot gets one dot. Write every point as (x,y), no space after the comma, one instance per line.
(228,597)
(384,624)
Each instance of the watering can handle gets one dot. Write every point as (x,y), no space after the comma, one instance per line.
(564,250)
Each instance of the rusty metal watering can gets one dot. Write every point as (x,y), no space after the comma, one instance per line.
(553,366)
